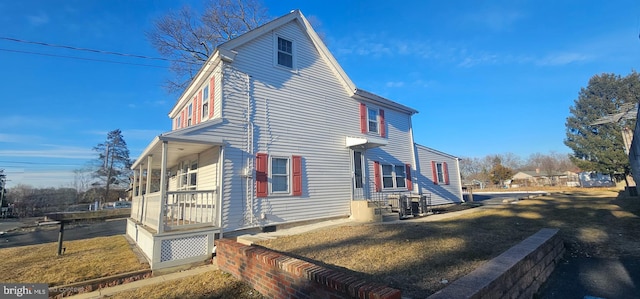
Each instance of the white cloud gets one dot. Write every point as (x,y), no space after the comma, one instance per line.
(39,19)
(40,178)
(394,84)
(52,152)
(19,138)
(558,59)
(496,18)
(140,134)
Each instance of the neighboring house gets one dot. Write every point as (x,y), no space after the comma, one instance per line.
(271,131)
(595,179)
(538,178)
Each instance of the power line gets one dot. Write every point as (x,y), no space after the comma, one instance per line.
(92,50)
(39,163)
(80,58)
(82,49)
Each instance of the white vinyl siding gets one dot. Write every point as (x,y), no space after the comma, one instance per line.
(441,193)
(305,112)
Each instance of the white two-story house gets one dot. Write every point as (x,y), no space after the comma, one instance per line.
(272,131)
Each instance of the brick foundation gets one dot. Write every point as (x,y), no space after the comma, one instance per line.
(276,275)
(516,273)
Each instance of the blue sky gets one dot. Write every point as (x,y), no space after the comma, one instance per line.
(486,76)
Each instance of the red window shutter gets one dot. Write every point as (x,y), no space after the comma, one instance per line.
(445,173)
(262,166)
(211,95)
(376,176)
(296,175)
(363,118)
(435,172)
(383,132)
(184,117)
(408,171)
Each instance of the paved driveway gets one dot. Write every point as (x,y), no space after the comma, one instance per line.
(71,232)
(582,277)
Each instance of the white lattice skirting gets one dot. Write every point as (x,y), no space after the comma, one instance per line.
(182,248)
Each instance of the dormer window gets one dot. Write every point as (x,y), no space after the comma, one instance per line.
(285,52)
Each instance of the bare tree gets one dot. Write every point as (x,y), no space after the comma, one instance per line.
(188,38)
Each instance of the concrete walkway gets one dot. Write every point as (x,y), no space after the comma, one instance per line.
(145,282)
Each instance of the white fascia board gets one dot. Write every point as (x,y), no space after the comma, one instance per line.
(436,151)
(146,151)
(367,96)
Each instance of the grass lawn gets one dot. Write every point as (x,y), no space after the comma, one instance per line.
(213,284)
(83,260)
(417,256)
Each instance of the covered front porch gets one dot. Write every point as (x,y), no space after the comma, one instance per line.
(175,211)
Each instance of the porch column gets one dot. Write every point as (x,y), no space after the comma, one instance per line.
(140,181)
(163,186)
(133,185)
(141,202)
(149,171)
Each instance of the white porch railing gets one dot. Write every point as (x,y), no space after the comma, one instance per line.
(180,209)
(190,208)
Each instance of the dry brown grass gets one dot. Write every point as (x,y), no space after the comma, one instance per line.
(83,260)
(416,256)
(213,284)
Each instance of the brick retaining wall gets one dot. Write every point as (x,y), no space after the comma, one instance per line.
(516,273)
(276,275)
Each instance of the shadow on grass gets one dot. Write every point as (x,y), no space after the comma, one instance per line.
(417,257)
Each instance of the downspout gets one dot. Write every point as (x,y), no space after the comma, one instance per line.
(220,188)
(251,154)
(414,178)
(459,180)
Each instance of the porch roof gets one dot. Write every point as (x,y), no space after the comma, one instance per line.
(178,147)
(365,142)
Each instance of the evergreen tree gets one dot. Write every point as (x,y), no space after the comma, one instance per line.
(115,165)
(600,147)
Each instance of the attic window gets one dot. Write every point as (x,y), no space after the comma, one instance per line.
(285,52)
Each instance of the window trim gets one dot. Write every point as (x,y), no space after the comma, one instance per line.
(440,172)
(185,172)
(376,121)
(276,50)
(394,176)
(205,103)
(190,114)
(287,175)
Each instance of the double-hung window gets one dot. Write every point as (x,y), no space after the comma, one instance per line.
(373,120)
(205,103)
(285,52)
(393,176)
(400,176)
(189,115)
(440,172)
(279,175)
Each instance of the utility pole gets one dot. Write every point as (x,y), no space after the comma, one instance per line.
(3,180)
(627,111)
